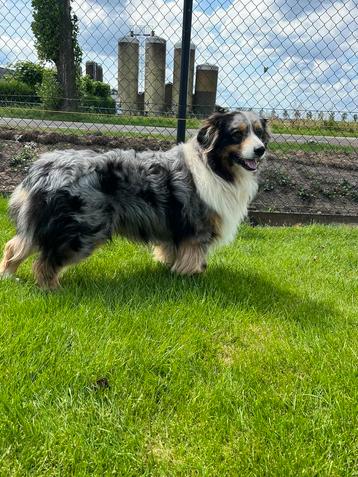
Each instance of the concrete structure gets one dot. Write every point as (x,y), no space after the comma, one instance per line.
(168,97)
(140,102)
(94,71)
(91,69)
(205,89)
(99,73)
(154,95)
(128,62)
(176,77)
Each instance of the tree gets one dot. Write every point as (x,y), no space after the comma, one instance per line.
(285,114)
(56,29)
(331,116)
(344,116)
(309,115)
(321,116)
(297,114)
(355,117)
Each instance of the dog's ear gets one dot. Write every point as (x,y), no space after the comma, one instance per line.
(209,133)
(267,133)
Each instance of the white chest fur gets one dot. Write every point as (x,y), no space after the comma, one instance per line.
(229,201)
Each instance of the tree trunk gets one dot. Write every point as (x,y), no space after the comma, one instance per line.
(66,68)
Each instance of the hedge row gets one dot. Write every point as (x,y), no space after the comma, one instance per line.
(16,92)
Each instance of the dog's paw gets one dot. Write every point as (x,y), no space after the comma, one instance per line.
(188,269)
(6,275)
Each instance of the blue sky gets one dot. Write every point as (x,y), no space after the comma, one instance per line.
(310,47)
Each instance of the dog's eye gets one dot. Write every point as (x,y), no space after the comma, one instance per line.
(237,135)
(259,132)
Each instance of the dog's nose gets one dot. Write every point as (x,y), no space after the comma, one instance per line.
(259,151)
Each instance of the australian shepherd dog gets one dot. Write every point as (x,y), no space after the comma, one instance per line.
(184,201)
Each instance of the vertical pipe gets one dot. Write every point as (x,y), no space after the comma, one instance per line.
(184,69)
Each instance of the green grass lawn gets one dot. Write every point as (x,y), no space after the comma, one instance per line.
(248,370)
(299,127)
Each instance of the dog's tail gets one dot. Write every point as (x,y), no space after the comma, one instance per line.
(18,202)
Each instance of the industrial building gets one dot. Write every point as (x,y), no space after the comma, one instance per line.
(158,97)
(94,70)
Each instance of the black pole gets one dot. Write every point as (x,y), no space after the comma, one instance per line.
(184,69)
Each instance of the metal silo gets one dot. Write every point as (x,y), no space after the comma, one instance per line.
(99,76)
(168,97)
(154,94)
(91,69)
(128,61)
(176,77)
(205,89)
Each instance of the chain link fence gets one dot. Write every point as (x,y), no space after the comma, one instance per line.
(293,62)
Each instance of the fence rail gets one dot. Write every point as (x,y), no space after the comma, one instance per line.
(130,68)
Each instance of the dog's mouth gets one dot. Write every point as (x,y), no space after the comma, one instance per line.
(248,164)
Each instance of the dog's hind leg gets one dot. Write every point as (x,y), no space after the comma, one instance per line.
(51,263)
(46,273)
(16,251)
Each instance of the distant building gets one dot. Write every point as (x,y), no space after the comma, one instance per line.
(4,71)
(94,71)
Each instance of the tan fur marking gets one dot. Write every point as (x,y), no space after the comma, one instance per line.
(233,148)
(242,127)
(46,275)
(22,195)
(190,259)
(216,223)
(164,253)
(16,251)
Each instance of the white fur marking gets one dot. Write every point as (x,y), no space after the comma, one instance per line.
(229,201)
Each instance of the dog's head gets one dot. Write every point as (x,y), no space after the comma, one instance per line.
(233,140)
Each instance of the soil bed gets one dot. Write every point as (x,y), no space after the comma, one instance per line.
(298,181)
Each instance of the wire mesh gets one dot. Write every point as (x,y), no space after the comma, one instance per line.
(293,62)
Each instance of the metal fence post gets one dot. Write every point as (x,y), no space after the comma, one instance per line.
(184,69)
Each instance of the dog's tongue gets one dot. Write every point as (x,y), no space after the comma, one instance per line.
(251,164)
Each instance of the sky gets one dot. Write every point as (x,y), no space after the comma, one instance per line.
(271,54)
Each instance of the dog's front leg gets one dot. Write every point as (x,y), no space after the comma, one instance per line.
(190,258)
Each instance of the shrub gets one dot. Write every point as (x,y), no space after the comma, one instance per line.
(86,86)
(28,72)
(90,87)
(95,96)
(23,157)
(98,105)
(102,90)
(50,91)
(16,92)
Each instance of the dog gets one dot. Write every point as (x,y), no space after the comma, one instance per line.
(184,201)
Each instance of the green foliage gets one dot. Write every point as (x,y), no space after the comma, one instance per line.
(28,72)
(50,91)
(45,26)
(90,87)
(98,104)
(86,86)
(14,91)
(102,90)
(95,96)
(23,157)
